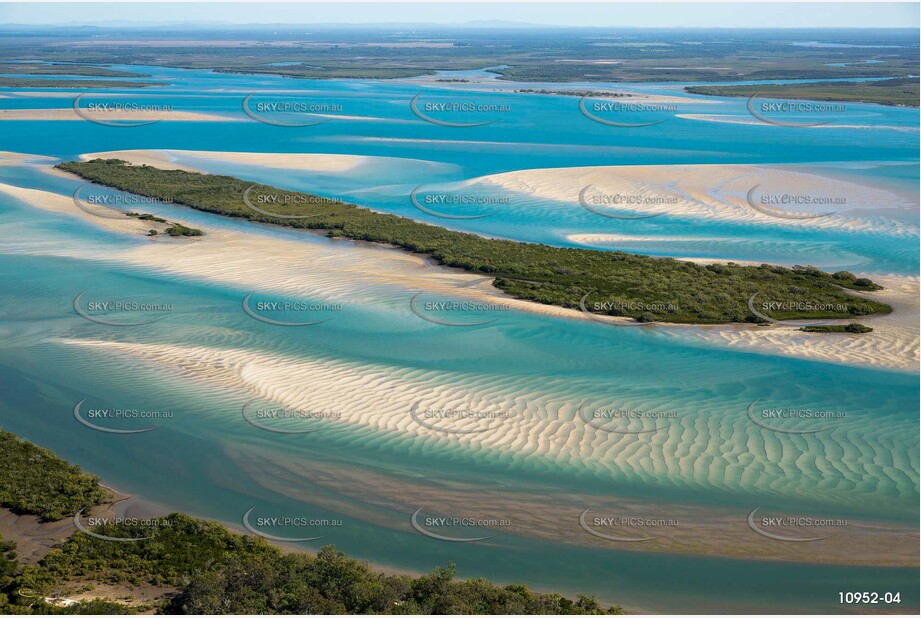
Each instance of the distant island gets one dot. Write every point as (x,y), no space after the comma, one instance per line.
(201,567)
(63,68)
(903,92)
(641,287)
(76,84)
(598,94)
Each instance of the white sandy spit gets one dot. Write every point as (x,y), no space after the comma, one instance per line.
(716,192)
(749,120)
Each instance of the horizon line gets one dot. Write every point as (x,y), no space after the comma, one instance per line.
(471,24)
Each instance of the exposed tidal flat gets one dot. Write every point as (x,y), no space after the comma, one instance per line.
(742,119)
(446,370)
(703,462)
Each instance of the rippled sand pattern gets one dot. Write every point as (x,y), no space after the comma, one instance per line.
(716,448)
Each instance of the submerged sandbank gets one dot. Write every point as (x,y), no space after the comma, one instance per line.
(542,429)
(112,116)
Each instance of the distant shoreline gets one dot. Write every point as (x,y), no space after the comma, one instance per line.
(896,92)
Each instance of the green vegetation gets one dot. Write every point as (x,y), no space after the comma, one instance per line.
(8,570)
(902,91)
(177,229)
(526,54)
(331,583)
(174,229)
(16,597)
(637,286)
(217,571)
(35,481)
(178,546)
(145,217)
(853,327)
(76,84)
(33,68)
(852,281)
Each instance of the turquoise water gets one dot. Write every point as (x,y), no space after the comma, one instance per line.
(208,461)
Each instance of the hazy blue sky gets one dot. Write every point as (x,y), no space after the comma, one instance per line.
(771,15)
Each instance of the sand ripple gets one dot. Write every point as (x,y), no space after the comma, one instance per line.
(686,446)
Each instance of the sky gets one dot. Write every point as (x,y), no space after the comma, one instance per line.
(647,14)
